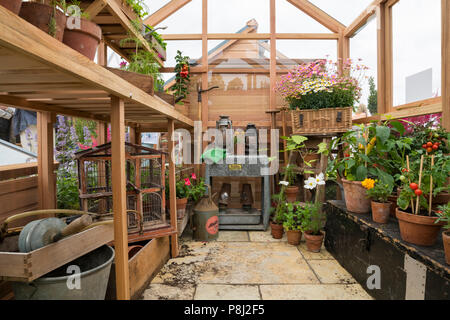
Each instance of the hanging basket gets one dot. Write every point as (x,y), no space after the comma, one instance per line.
(321,121)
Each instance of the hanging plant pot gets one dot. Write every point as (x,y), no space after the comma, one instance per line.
(381,211)
(294,237)
(45,17)
(416,229)
(12,5)
(291,193)
(84,40)
(314,242)
(446,240)
(277,230)
(328,120)
(355,197)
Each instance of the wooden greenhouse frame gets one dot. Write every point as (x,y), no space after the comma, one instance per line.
(41,74)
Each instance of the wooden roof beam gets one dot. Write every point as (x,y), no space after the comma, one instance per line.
(319,15)
(251,36)
(95,8)
(362,20)
(165,12)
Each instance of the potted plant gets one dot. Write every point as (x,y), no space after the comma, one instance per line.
(49,18)
(81,34)
(181,194)
(12,5)
(312,224)
(279,211)
(424,177)
(444,216)
(290,175)
(182,77)
(379,193)
(293,223)
(320,97)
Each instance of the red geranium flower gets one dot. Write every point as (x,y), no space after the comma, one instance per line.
(193,176)
(187,182)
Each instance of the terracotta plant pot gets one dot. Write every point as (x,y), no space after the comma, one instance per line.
(12,5)
(291,193)
(355,197)
(314,242)
(420,230)
(84,40)
(446,240)
(381,211)
(393,200)
(181,207)
(294,237)
(277,230)
(40,15)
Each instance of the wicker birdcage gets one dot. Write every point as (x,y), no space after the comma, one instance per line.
(145,170)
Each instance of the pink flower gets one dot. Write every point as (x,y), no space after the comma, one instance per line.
(193,176)
(123,64)
(187,182)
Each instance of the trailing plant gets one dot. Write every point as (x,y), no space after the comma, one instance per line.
(377,190)
(319,85)
(142,61)
(182,77)
(157,36)
(139,7)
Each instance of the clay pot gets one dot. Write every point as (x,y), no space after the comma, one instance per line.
(294,237)
(12,5)
(393,200)
(314,242)
(39,15)
(291,193)
(381,211)
(446,240)
(355,197)
(181,207)
(84,40)
(416,229)
(277,230)
(132,250)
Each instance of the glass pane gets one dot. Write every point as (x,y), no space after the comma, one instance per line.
(364,46)
(232,15)
(190,48)
(290,19)
(307,49)
(417,50)
(344,11)
(188,19)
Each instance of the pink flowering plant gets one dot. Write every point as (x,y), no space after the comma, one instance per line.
(190,187)
(319,85)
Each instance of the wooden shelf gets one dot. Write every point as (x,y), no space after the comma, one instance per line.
(42,74)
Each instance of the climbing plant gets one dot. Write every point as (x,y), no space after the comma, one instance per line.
(182,77)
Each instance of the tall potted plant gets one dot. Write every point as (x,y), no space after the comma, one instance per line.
(320,97)
(279,212)
(290,175)
(426,176)
(312,224)
(444,216)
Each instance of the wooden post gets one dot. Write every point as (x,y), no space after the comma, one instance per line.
(445,9)
(138,133)
(46,176)
(343,45)
(172,189)
(273,57)
(118,163)
(132,134)
(102,54)
(385,56)
(204,86)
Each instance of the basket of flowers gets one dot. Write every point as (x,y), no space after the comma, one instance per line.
(320,98)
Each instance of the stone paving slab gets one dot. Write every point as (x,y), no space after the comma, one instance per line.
(257,263)
(264,236)
(227,292)
(314,292)
(232,236)
(308,255)
(330,271)
(166,292)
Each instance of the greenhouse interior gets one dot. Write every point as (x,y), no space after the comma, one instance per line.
(262,150)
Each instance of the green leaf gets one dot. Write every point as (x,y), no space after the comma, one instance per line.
(299,139)
(383,133)
(323,148)
(398,126)
(361,173)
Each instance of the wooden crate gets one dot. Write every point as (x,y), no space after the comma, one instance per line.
(322,121)
(26,267)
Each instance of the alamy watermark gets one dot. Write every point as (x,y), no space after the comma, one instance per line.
(74,279)
(374,280)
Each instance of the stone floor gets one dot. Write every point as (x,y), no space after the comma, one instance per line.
(251,265)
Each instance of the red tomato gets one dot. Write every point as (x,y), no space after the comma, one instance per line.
(424,146)
(429,149)
(418,192)
(413,186)
(429,144)
(435,147)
